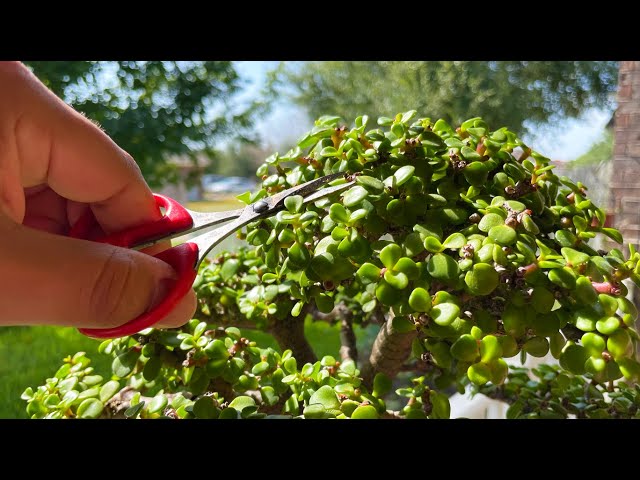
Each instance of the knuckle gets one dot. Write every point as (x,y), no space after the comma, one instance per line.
(129,160)
(110,302)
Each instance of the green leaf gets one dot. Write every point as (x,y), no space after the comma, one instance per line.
(613,234)
(354,196)
(390,255)
(228,414)
(573,359)
(366,412)
(441,409)
(368,273)
(413,244)
(242,402)
(90,408)
(593,343)
(470,154)
(542,300)
(433,245)
(479,373)
(229,268)
(290,365)
(108,390)
(316,411)
(503,235)
(489,221)
(348,367)
(329,152)
(515,409)
(204,408)
(216,350)
(536,346)
(324,302)
(397,280)
(465,348)
(260,368)
(188,343)
(269,395)
(608,325)
(68,384)
(455,241)
(564,277)
(387,294)
(444,313)
(326,397)
(602,265)
(420,300)
(91,380)
(134,411)
(293,203)
(403,174)
(442,267)
(574,257)
(124,363)
(401,324)
(475,172)
(157,403)
(244,197)
(370,183)
(482,279)
(381,385)
(338,213)
(490,348)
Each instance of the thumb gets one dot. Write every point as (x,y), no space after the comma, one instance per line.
(56,280)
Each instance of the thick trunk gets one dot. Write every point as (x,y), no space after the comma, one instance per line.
(289,333)
(390,350)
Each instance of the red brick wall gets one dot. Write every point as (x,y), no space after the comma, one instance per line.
(625,174)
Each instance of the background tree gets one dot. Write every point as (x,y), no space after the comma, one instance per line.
(512,94)
(241,159)
(156,109)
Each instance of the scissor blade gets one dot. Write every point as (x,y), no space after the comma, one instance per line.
(325,192)
(304,189)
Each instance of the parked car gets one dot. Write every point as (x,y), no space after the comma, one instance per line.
(221,184)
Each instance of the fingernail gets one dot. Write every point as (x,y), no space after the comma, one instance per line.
(163,288)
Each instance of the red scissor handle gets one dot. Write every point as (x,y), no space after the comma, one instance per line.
(182,258)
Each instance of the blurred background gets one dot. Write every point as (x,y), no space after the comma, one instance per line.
(199,130)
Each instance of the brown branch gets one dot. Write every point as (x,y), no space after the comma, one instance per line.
(289,333)
(377,317)
(342,313)
(339,312)
(392,414)
(348,348)
(389,352)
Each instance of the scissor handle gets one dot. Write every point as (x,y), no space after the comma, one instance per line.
(175,219)
(183,258)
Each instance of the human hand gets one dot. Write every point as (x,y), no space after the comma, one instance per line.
(54,163)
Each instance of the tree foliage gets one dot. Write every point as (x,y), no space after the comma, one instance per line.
(600,152)
(155,110)
(460,244)
(516,94)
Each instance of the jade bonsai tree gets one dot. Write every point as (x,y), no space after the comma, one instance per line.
(459,244)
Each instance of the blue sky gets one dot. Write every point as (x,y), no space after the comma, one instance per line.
(566,140)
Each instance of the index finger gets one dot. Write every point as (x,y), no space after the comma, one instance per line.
(58,146)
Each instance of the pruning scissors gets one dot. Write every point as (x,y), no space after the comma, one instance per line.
(186,257)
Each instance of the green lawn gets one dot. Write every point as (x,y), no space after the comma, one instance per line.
(29,355)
